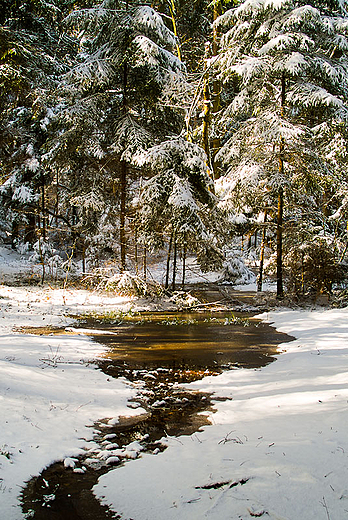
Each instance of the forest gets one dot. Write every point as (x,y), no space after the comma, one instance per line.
(207,128)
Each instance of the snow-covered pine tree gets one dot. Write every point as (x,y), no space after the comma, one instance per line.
(111,110)
(290,61)
(176,202)
(33,52)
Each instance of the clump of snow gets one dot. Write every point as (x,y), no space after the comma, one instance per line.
(184,300)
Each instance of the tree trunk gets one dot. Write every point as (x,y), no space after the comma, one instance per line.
(145,263)
(262,255)
(174,262)
(216,95)
(43,207)
(184,252)
(280,290)
(136,250)
(123,194)
(175,31)
(168,260)
(30,229)
(206,109)
(280,208)
(57,198)
(84,259)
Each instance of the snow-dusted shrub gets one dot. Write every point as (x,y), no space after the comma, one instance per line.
(42,249)
(51,262)
(235,270)
(314,267)
(128,284)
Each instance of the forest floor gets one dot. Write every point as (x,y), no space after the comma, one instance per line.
(276,446)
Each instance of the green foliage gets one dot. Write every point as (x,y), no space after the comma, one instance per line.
(238,320)
(314,267)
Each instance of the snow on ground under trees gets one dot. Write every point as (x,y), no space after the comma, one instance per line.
(277,447)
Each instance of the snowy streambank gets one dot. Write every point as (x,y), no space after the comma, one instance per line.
(49,394)
(278,447)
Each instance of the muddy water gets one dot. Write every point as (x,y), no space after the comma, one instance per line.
(196,341)
(155,352)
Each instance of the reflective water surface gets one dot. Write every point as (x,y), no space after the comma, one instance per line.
(156,351)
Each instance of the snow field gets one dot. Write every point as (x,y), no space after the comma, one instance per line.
(277,447)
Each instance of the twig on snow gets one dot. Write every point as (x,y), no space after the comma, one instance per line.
(323,503)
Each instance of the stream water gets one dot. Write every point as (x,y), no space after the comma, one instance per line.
(156,352)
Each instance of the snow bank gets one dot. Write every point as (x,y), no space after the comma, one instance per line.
(50,394)
(277,447)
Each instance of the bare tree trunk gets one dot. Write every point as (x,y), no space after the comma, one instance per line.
(14,234)
(43,207)
(84,260)
(145,263)
(280,290)
(31,229)
(216,96)
(302,273)
(136,250)
(206,109)
(57,197)
(280,208)
(123,177)
(184,252)
(123,190)
(168,260)
(262,255)
(175,31)
(174,261)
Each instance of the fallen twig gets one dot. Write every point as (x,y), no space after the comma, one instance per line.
(323,503)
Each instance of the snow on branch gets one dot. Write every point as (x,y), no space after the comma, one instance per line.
(252,67)
(174,153)
(147,19)
(95,67)
(304,18)
(131,139)
(294,64)
(310,95)
(336,74)
(181,196)
(287,41)
(250,8)
(278,4)
(89,201)
(80,18)
(149,52)
(24,194)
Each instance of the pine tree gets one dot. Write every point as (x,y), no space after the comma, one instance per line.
(177,202)
(111,111)
(290,60)
(33,52)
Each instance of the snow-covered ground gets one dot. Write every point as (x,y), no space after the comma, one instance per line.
(277,447)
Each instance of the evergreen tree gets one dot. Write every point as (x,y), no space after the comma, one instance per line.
(290,61)
(178,203)
(111,110)
(33,52)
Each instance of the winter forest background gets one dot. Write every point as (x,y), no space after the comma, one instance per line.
(132,131)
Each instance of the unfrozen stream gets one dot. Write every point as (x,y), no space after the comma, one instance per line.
(156,353)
